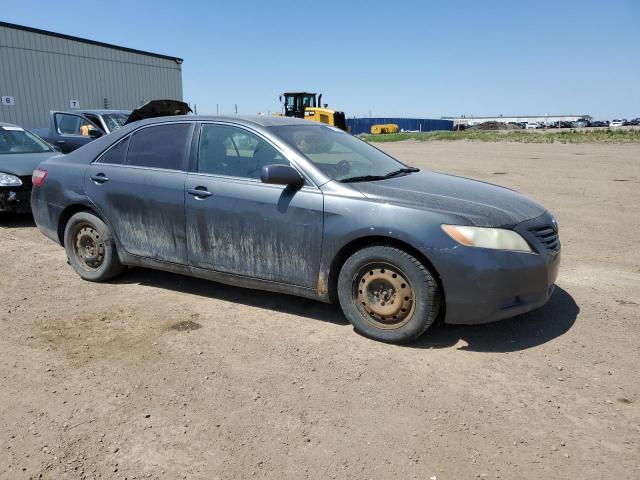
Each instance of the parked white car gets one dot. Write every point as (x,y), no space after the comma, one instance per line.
(533,125)
(616,122)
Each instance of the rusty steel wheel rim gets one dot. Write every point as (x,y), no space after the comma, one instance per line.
(89,247)
(384,295)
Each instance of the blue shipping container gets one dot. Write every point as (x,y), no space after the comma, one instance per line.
(363,125)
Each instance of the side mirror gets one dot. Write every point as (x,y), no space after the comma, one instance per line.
(93,133)
(282,175)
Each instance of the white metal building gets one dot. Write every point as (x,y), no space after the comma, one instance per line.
(473,120)
(42,71)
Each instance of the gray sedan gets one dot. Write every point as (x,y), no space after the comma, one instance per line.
(302,208)
(21,152)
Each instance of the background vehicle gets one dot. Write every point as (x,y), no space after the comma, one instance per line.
(108,120)
(309,107)
(533,125)
(297,207)
(582,123)
(20,153)
(616,122)
(600,123)
(71,130)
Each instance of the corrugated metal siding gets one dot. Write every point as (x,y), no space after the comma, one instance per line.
(43,73)
(363,125)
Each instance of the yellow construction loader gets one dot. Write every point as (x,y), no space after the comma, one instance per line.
(309,106)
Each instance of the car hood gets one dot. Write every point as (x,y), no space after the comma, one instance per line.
(483,204)
(23,164)
(158,108)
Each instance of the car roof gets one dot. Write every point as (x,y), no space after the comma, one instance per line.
(248,120)
(4,124)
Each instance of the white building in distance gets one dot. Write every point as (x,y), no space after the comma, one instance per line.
(473,120)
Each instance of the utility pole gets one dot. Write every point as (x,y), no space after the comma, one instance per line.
(217,109)
(235,105)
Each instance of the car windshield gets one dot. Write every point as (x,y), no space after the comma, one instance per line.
(339,155)
(114,121)
(17,140)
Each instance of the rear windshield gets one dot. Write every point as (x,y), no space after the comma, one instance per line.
(18,140)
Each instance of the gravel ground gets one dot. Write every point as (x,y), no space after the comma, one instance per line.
(161,376)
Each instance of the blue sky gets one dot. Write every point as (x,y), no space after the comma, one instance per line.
(413,58)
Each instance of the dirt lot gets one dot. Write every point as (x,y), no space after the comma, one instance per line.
(95,382)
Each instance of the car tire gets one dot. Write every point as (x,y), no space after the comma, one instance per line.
(91,248)
(388,294)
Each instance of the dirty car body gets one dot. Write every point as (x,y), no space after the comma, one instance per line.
(235,227)
(20,153)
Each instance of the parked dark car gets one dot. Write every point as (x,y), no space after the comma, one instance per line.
(71,130)
(21,152)
(298,207)
(600,123)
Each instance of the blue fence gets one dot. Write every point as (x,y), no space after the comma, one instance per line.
(363,125)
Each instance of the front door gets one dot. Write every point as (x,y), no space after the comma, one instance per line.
(138,185)
(238,225)
(72,131)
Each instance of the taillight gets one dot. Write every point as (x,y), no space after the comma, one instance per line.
(38,177)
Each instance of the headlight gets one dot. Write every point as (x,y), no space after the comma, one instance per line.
(7,180)
(496,238)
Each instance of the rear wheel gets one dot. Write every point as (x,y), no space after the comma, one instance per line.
(388,294)
(91,248)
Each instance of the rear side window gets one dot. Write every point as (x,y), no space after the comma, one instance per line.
(116,154)
(161,146)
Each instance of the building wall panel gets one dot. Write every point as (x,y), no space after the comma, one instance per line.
(44,72)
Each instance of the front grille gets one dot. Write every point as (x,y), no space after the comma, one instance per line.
(548,236)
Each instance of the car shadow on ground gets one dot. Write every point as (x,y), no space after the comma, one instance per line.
(10,220)
(518,333)
(277,302)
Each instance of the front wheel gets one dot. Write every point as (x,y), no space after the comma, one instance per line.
(90,248)
(388,294)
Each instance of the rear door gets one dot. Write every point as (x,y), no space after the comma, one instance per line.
(239,225)
(138,185)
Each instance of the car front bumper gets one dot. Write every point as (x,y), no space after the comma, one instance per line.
(482,285)
(15,200)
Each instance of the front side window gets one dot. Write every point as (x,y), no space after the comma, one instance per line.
(234,152)
(69,124)
(159,146)
(17,140)
(308,101)
(337,154)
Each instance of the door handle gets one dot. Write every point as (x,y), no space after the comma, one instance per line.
(199,192)
(61,142)
(100,178)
